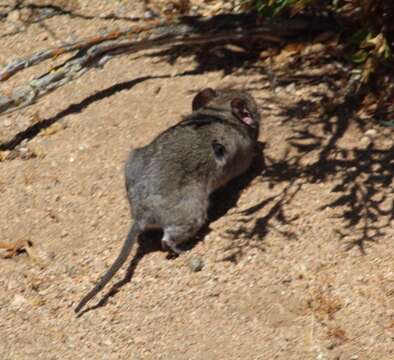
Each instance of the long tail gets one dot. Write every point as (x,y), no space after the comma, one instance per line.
(120,260)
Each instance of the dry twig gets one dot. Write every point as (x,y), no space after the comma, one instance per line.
(99,49)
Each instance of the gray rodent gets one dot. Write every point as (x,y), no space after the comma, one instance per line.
(169,181)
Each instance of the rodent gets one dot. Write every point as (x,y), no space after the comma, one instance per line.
(169,181)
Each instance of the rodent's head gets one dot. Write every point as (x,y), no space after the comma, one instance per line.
(238,103)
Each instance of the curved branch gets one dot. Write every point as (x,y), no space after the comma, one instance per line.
(40,56)
(97,50)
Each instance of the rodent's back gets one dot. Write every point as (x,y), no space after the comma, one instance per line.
(184,154)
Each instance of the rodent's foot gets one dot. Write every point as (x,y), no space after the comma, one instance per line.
(171,245)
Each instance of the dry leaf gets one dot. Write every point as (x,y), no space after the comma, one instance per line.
(4,155)
(19,246)
(294,48)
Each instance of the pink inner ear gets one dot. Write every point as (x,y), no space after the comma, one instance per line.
(248,120)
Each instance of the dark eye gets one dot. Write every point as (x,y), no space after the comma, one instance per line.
(218,149)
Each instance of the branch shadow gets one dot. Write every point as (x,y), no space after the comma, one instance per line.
(366,196)
(244,237)
(35,129)
(363,175)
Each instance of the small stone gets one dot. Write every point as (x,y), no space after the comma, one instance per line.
(4,155)
(7,122)
(14,16)
(331,345)
(83,147)
(365,141)
(290,88)
(371,133)
(149,14)
(18,301)
(23,150)
(107,342)
(195,264)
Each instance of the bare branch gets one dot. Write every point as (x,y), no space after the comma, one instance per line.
(99,49)
(46,54)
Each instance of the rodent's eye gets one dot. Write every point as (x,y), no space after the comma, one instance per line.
(218,149)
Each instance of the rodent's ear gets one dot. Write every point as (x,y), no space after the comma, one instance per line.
(203,98)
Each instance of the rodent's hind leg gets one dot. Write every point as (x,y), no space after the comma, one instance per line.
(168,243)
(175,235)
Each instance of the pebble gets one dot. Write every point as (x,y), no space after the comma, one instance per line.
(83,147)
(290,88)
(371,133)
(18,301)
(14,16)
(7,122)
(365,141)
(149,14)
(195,264)
(23,150)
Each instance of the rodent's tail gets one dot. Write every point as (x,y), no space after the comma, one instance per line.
(120,260)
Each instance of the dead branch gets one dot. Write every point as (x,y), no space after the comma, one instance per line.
(46,54)
(97,50)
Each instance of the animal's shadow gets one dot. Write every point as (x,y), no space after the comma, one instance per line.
(221,202)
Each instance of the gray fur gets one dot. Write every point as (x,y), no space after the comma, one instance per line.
(169,181)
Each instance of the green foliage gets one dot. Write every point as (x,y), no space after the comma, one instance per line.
(369,28)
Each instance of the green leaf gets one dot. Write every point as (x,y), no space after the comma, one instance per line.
(359,57)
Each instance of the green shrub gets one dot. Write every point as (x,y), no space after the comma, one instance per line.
(368,25)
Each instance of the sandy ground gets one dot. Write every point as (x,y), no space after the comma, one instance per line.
(280,277)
